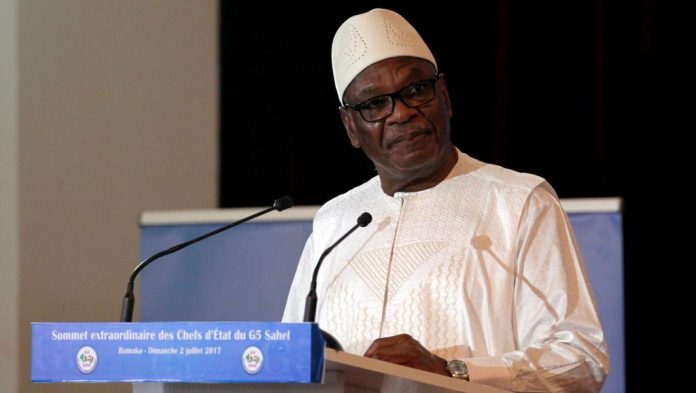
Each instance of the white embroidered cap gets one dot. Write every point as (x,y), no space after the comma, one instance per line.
(367,38)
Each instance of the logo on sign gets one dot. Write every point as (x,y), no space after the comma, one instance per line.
(252,360)
(86,360)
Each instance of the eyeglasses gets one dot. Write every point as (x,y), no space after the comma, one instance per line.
(380,107)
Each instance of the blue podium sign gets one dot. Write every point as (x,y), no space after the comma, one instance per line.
(201,352)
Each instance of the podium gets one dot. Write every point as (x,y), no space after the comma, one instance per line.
(344,373)
(193,357)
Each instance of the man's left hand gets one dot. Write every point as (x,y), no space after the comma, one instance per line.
(406,351)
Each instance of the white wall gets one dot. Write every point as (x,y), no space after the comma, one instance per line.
(9,224)
(117,113)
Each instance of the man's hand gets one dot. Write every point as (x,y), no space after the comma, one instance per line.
(406,351)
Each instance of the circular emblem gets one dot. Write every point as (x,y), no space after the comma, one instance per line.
(86,359)
(252,360)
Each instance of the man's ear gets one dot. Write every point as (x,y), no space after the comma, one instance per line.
(349,124)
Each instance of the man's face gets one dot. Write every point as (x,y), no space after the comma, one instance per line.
(411,142)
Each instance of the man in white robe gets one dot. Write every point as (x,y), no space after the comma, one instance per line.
(467,269)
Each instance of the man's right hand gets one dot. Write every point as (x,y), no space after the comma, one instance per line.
(406,351)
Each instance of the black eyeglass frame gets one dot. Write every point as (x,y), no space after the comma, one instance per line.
(393,97)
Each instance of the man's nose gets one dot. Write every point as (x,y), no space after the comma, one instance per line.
(401,112)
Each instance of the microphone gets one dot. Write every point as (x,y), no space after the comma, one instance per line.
(311,302)
(129,300)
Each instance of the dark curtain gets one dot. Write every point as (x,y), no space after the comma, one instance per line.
(566,90)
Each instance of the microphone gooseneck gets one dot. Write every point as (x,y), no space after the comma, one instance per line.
(311,302)
(129,298)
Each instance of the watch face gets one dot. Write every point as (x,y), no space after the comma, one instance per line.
(457,367)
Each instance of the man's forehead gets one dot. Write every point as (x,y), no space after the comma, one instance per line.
(398,69)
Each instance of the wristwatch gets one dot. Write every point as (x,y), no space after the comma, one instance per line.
(458,369)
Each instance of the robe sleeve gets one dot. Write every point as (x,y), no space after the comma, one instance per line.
(294,306)
(559,340)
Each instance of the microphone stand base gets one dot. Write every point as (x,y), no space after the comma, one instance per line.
(331,341)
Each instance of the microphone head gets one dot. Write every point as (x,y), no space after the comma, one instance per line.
(283,203)
(364,219)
